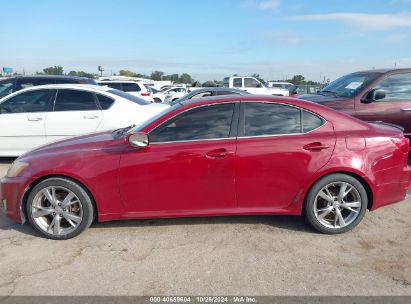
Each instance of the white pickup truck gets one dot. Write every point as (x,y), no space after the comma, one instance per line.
(252,85)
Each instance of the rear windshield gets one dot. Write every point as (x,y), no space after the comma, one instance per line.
(130,97)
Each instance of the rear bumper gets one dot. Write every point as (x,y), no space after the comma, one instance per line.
(394,191)
(12,191)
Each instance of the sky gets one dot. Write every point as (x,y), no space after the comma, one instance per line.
(209,39)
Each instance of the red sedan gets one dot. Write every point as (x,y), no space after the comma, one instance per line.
(218,156)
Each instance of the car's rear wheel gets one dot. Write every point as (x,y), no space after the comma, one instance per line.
(336,204)
(59,208)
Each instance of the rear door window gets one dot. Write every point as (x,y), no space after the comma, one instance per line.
(75,100)
(131,87)
(105,102)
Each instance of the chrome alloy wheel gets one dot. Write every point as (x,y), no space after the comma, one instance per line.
(57,210)
(337,205)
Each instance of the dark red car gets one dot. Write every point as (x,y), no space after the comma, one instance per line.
(217,156)
(375,95)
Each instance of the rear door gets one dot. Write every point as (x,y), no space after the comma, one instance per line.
(278,149)
(395,107)
(22,121)
(75,112)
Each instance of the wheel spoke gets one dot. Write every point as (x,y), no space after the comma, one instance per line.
(351,204)
(68,200)
(343,191)
(325,212)
(49,196)
(340,218)
(54,227)
(42,211)
(72,217)
(327,197)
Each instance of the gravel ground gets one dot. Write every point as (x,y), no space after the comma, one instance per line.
(246,255)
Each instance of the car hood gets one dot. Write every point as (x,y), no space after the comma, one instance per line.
(78,146)
(317,98)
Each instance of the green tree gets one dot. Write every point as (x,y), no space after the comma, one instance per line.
(185,78)
(56,70)
(127,73)
(157,75)
(81,74)
(298,79)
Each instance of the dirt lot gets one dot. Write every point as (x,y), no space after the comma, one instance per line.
(248,255)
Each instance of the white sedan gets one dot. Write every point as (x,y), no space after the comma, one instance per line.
(172,93)
(38,115)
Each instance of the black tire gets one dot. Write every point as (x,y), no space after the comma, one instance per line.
(157,100)
(79,191)
(308,209)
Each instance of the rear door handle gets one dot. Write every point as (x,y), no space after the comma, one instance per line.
(35,119)
(91,117)
(406,110)
(315,146)
(218,153)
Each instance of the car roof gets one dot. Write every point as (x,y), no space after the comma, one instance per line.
(217,89)
(68,86)
(384,71)
(48,77)
(119,81)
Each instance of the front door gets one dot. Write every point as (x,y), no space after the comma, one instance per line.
(279,148)
(395,107)
(188,165)
(22,121)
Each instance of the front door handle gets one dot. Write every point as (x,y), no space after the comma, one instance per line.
(35,119)
(90,117)
(218,153)
(406,110)
(315,146)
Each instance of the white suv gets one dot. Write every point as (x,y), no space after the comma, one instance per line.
(253,86)
(132,87)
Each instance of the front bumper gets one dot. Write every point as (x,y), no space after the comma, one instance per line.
(12,191)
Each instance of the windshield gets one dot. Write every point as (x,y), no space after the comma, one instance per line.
(349,85)
(130,97)
(144,124)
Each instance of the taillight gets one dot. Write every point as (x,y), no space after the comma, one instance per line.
(146,94)
(403,144)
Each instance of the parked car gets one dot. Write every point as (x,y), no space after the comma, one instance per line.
(375,95)
(151,89)
(278,84)
(214,156)
(35,116)
(301,89)
(13,84)
(172,93)
(252,85)
(132,87)
(206,92)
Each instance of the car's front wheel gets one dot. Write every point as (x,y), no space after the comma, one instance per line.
(59,208)
(336,204)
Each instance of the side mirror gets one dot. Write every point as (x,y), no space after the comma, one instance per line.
(373,95)
(137,140)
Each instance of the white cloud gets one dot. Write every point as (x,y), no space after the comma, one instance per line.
(269,4)
(364,21)
(285,37)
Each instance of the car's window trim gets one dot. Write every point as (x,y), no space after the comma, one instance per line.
(242,120)
(233,125)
